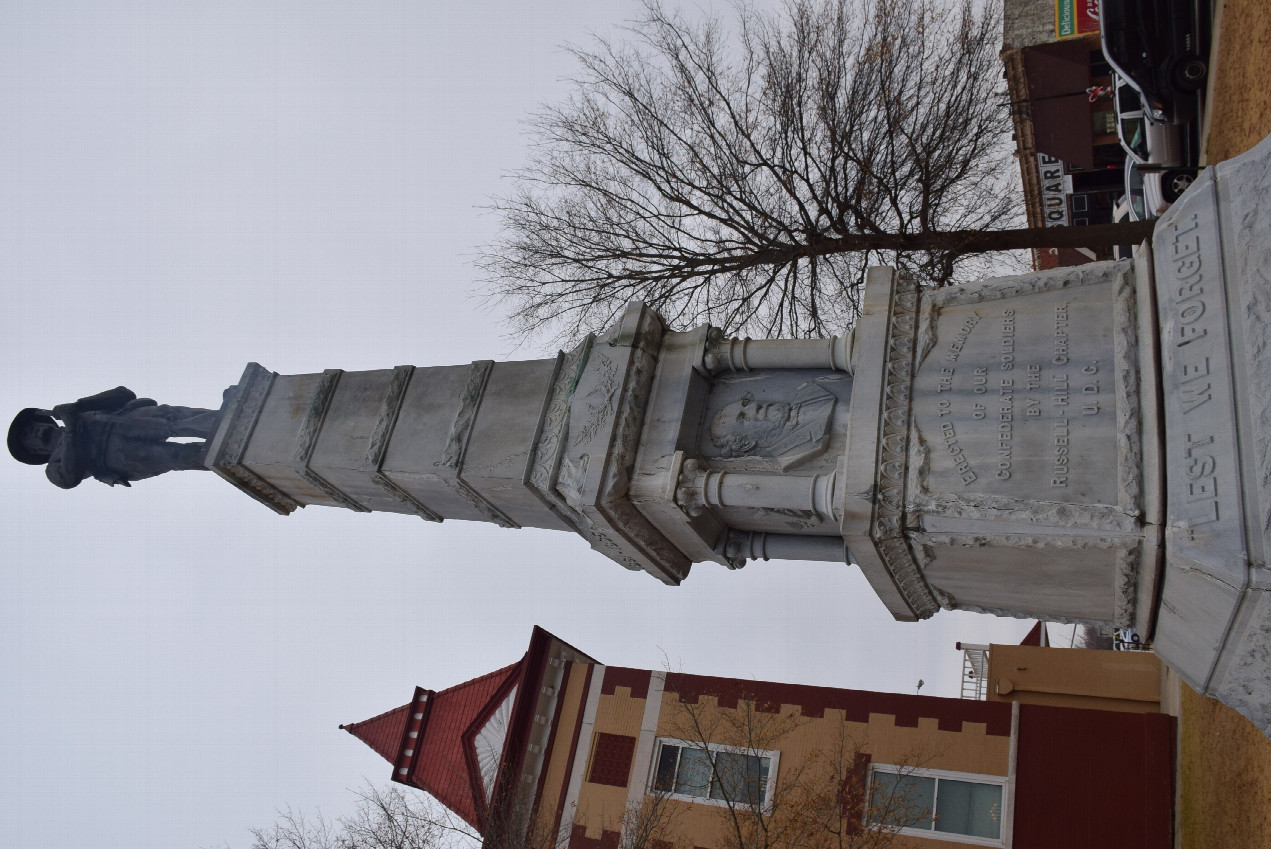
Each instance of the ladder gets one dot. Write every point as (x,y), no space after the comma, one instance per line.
(975,670)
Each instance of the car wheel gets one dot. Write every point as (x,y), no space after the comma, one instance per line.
(1174,183)
(1191,73)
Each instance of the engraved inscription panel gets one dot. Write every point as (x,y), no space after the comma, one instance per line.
(1201,449)
(1015,398)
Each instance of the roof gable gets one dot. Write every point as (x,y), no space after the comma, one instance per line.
(382,733)
(488,737)
(470,745)
(433,745)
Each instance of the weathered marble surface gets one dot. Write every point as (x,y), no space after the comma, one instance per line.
(660,448)
(977,448)
(1212,260)
(1088,444)
(1003,421)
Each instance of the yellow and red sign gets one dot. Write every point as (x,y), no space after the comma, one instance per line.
(1076,17)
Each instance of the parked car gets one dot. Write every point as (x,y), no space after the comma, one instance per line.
(1160,158)
(1128,639)
(1145,139)
(1162,48)
(1152,189)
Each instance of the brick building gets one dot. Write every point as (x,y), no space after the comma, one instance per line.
(1070,160)
(558,743)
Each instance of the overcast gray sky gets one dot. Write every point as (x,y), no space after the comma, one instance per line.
(187,187)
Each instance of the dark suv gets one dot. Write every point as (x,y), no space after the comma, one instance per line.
(1162,48)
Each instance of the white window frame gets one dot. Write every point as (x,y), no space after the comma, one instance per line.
(973,777)
(774,759)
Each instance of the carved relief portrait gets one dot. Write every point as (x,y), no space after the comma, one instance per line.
(790,429)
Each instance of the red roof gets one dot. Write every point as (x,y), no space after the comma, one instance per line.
(431,742)
(382,733)
(440,764)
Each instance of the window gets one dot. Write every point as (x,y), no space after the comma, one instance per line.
(714,774)
(1134,136)
(489,742)
(934,803)
(1103,122)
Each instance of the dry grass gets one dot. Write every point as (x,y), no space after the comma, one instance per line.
(1240,91)
(1224,777)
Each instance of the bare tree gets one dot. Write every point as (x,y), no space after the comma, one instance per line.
(1093,637)
(819,800)
(384,818)
(296,830)
(749,178)
(398,818)
(649,824)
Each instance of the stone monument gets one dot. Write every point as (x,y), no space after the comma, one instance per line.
(1088,444)
(989,448)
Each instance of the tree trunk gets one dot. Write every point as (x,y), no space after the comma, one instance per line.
(983,241)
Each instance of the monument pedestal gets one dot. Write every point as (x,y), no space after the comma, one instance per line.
(1002,447)
(1212,261)
(1089,444)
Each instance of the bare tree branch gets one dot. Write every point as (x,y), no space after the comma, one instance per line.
(747,177)
(384,818)
(819,797)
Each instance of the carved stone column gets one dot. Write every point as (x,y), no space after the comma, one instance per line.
(723,354)
(701,488)
(740,546)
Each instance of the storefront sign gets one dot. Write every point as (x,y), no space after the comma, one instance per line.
(1055,190)
(1076,17)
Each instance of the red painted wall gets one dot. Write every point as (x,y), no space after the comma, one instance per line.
(1094,779)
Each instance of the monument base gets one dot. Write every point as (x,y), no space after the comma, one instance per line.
(1087,444)
(1003,450)
(1212,264)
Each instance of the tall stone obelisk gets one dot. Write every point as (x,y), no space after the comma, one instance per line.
(978,448)
(660,448)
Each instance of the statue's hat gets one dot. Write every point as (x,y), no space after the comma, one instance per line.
(17,445)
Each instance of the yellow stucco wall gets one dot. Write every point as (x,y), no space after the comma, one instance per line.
(799,740)
(600,806)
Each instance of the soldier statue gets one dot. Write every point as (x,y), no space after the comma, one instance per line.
(112,436)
